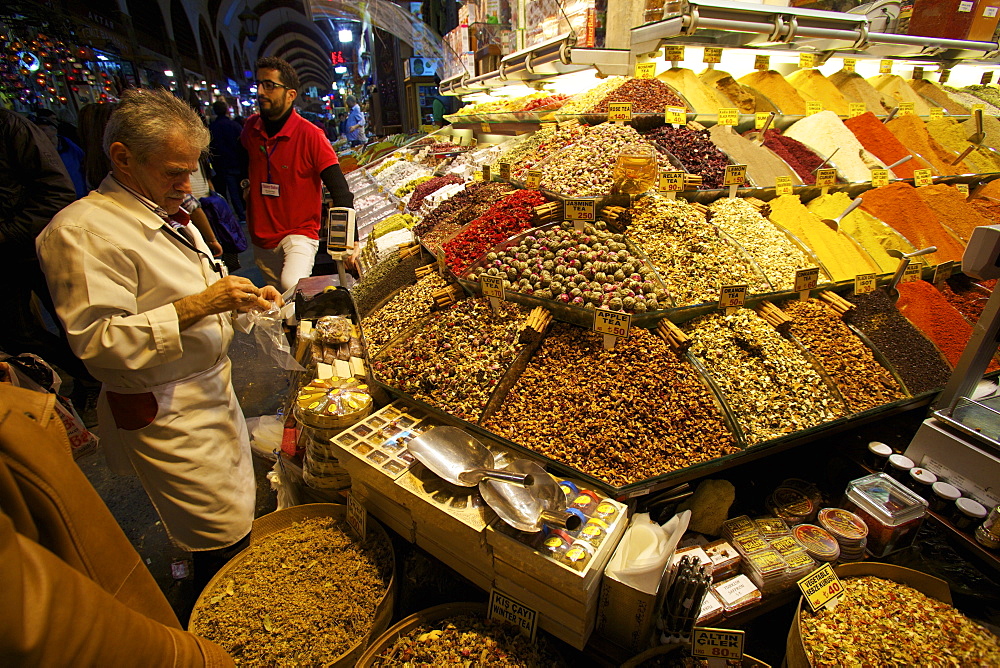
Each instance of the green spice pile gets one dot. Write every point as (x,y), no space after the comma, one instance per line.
(407,306)
(882,623)
(586,167)
(524,158)
(387,276)
(304,596)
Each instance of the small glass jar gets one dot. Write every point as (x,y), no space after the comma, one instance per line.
(920,481)
(988,534)
(594,532)
(606,510)
(569,489)
(556,543)
(583,520)
(578,555)
(877,456)
(586,502)
(943,496)
(899,468)
(968,514)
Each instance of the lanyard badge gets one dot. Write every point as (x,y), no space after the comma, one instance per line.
(269,188)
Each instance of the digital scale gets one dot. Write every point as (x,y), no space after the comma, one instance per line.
(960,443)
(340,225)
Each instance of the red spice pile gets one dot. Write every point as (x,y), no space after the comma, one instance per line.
(501,221)
(428,187)
(899,206)
(881,143)
(928,309)
(798,156)
(967,297)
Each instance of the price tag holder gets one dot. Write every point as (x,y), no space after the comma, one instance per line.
(807,60)
(856,109)
(729,116)
(922,177)
(762,62)
(722,644)
(613,325)
(760,119)
(533,179)
(826,177)
(477,176)
(712,55)
(943,271)
(485,127)
(850,64)
(580,211)
(645,70)
(806,280)
(673,53)
(487,173)
(885,67)
(357,517)
(504,168)
(512,611)
(912,273)
(937,114)
(675,115)
(813,107)
(918,73)
(979,105)
(442,265)
(905,108)
(821,587)
(619,112)
(986,79)
(547,125)
(880,177)
(783,185)
(734,177)
(671,183)
(492,287)
(962,188)
(865,283)
(731,297)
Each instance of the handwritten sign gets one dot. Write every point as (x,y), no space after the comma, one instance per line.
(906,108)
(850,64)
(512,611)
(504,168)
(760,119)
(645,70)
(726,644)
(856,109)
(357,517)
(922,177)
(713,54)
(491,286)
(806,279)
(826,177)
(732,296)
(533,179)
(671,182)
(962,188)
(880,177)
(912,273)
(580,209)
(820,587)
(675,115)
(619,112)
(612,323)
(986,79)
(735,175)
(813,107)
(885,67)
(937,113)
(673,53)
(729,116)
(918,73)
(865,283)
(783,185)
(762,63)
(807,60)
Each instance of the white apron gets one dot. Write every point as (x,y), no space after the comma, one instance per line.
(188,443)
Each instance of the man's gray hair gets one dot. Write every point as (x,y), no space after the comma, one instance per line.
(145,119)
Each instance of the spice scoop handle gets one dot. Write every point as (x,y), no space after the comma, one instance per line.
(900,161)
(560,520)
(474,476)
(835,222)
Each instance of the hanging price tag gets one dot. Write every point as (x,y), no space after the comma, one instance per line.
(491,286)
(937,114)
(713,54)
(580,209)
(760,119)
(729,116)
(806,280)
(645,70)
(533,179)
(612,323)
(912,273)
(856,109)
(673,53)
(485,127)
(918,73)
(885,67)
(905,108)
(880,177)
(922,177)
(357,517)
(504,168)
(813,107)
(676,115)
(722,644)
(671,182)
(619,112)
(943,271)
(487,173)
(477,176)
(962,188)
(735,175)
(547,125)
(986,79)
(826,177)
(850,64)
(944,76)
(865,283)
(807,60)
(732,296)
(783,185)
(821,587)
(762,62)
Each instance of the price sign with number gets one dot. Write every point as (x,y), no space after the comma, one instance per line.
(806,279)
(477,176)
(673,53)
(905,108)
(986,79)
(826,177)
(762,63)
(912,273)
(713,54)
(732,296)
(885,67)
(735,175)
(850,64)
(979,106)
(937,113)
(944,271)
(813,107)
(783,185)
(880,177)
(672,182)
(580,209)
(676,115)
(487,173)
(820,587)
(760,119)
(504,168)
(865,283)
(612,323)
(918,73)
(357,517)
(645,70)
(485,127)
(729,116)
(724,644)
(856,109)
(491,286)
(807,60)
(922,177)
(533,179)
(963,188)
(619,112)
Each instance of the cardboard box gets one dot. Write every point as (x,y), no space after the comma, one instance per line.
(627,616)
(984,22)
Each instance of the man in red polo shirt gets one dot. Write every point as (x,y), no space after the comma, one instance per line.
(290,160)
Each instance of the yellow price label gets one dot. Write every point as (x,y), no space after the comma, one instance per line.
(491,286)
(612,323)
(732,296)
(826,177)
(865,283)
(729,116)
(922,177)
(937,114)
(906,108)
(912,272)
(979,106)
(487,173)
(673,53)
(806,279)
(856,109)
(783,185)
(850,64)
(943,271)
(880,177)
(760,119)
(675,115)
(813,107)
(762,63)
(807,60)
(485,127)
(820,587)
(580,209)
(724,644)
(713,54)
(962,188)
(533,179)
(885,67)
(671,182)
(645,70)
(548,125)
(619,112)
(918,73)
(477,176)
(504,169)
(735,175)
(986,79)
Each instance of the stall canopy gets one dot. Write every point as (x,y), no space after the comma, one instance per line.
(386,16)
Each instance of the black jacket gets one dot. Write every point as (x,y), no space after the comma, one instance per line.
(34,186)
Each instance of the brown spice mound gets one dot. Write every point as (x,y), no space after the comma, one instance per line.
(303,596)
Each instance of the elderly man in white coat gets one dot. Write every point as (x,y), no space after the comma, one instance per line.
(150,312)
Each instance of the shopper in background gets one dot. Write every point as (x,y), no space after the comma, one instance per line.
(75,591)
(150,312)
(70,154)
(355,122)
(228,157)
(93,118)
(290,161)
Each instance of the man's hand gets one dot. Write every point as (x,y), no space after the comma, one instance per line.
(351,261)
(271,294)
(215,247)
(232,293)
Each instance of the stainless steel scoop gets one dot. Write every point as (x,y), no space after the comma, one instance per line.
(528,508)
(459,458)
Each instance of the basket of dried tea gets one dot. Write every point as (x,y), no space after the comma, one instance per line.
(458,634)
(306,591)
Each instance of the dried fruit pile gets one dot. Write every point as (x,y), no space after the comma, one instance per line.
(513,214)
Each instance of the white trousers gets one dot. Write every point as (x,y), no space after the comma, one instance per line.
(287,262)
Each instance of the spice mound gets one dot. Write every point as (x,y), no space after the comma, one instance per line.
(825,133)
(304,595)
(913,134)
(695,151)
(874,236)
(899,90)
(410,304)
(798,156)
(777,89)
(464,640)
(586,168)
(882,623)
(900,206)
(878,140)
(646,95)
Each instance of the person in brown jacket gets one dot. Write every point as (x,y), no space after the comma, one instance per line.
(75,592)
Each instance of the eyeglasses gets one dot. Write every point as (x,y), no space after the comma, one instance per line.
(269,85)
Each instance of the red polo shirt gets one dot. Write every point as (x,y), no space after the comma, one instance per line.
(293,159)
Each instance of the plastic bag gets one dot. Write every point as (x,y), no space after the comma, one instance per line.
(270,336)
(645,549)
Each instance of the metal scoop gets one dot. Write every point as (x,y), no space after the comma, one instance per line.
(527,508)
(975,140)
(904,259)
(835,222)
(459,458)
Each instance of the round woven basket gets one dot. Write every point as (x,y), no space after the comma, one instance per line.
(404,626)
(271,523)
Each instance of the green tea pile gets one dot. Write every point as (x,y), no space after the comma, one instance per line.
(409,304)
